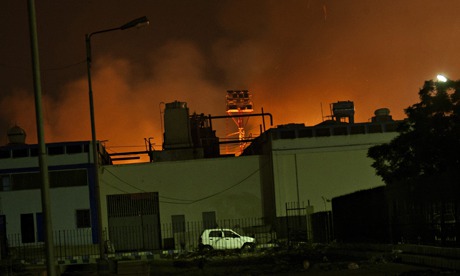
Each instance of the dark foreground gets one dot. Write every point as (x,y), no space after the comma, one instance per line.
(300,262)
(289,265)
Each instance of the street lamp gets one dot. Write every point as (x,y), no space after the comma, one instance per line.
(441,78)
(139,22)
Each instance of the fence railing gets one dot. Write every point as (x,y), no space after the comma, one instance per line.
(184,236)
(67,243)
(428,223)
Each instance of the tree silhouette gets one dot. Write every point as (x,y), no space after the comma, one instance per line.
(428,144)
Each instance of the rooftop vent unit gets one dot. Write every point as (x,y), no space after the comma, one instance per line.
(16,136)
(382,115)
(342,110)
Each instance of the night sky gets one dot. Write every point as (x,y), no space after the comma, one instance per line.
(294,56)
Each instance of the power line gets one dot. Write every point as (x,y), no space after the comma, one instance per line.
(116,188)
(238,183)
(126,192)
(121,180)
(44,69)
(65,66)
(186,201)
(13,66)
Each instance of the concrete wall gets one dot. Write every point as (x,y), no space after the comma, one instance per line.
(317,169)
(231,187)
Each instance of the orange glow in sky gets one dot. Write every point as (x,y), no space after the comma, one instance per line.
(295,57)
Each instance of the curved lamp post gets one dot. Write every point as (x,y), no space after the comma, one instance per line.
(139,22)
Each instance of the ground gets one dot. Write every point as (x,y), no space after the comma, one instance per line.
(297,261)
(287,263)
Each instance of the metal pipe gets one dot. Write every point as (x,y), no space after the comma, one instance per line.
(236,141)
(126,158)
(263,119)
(129,153)
(243,115)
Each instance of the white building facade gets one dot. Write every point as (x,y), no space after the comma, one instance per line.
(72,189)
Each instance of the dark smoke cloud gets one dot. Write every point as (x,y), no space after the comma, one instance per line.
(296,57)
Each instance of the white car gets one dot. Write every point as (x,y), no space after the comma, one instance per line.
(221,239)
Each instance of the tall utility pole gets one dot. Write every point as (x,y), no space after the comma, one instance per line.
(138,22)
(45,187)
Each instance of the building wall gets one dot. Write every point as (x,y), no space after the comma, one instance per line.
(314,170)
(311,170)
(231,187)
(63,204)
(31,161)
(71,193)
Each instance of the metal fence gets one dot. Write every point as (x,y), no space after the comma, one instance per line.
(67,244)
(184,237)
(429,223)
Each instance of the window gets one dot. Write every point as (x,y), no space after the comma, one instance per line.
(320,132)
(308,132)
(178,223)
(25,181)
(34,151)
(287,134)
(32,180)
(376,128)
(27,228)
(55,150)
(5,153)
(391,127)
(40,227)
(358,129)
(6,183)
(209,220)
(83,218)
(68,178)
(340,130)
(230,234)
(86,148)
(3,239)
(72,149)
(20,153)
(215,234)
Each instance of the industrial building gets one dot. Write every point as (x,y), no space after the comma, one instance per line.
(289,170)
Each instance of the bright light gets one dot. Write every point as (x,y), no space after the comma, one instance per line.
(441,78)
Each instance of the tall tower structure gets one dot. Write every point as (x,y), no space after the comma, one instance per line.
(239,102)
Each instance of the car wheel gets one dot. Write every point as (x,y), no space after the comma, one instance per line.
(248,247)
(206,248)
